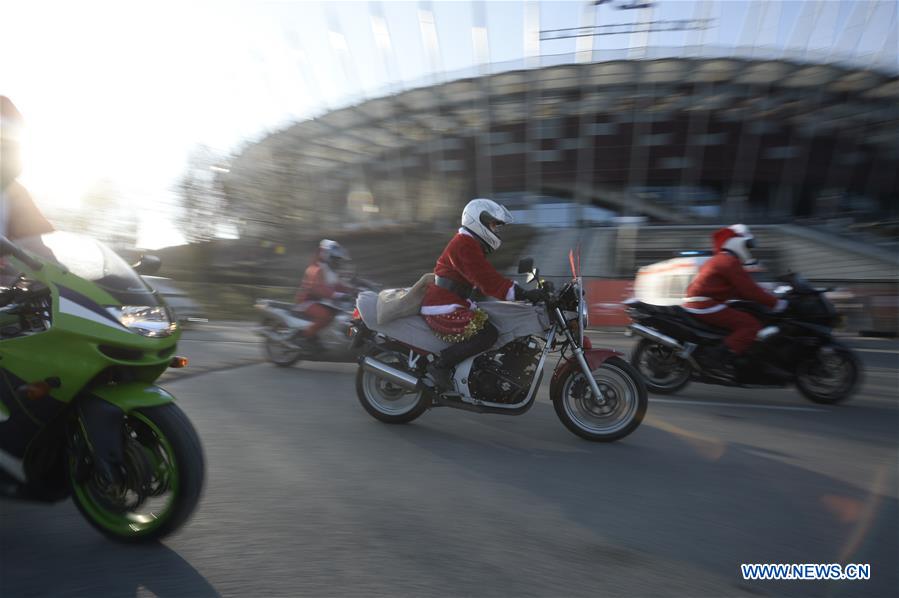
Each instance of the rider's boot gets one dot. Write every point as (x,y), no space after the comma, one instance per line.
(440,370)
(441,375)
(722,362)
(755,357)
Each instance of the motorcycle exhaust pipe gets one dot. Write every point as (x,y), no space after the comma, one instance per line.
(658,337)
(392,375)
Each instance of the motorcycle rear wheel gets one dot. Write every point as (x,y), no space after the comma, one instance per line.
(387,402)
(163,449)
(278,353)
(650,359)
(624,408)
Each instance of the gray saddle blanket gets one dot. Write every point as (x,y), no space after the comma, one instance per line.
(513,320)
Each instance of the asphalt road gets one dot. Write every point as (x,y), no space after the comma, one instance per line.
(308,496)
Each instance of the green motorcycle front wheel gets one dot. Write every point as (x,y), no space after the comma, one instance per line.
(161,478)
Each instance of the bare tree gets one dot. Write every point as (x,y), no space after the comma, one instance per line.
(202,211)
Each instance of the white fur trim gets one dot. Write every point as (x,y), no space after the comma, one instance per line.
(439,310)
(510,294)
(704,310)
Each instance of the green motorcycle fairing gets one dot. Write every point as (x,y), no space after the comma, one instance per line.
(82,350)
(83,339)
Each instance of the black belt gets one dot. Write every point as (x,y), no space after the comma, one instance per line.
(460,288)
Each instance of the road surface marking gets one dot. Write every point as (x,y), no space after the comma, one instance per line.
(737,405)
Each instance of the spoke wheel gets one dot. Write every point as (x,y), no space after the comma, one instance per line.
(386,401)
(662,370)
(613,416)
(278,352)
(829,376)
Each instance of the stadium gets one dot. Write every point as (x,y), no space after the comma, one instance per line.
(806,151)
(671,139)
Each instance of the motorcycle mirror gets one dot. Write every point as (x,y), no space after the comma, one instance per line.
(526,265)
(147,264)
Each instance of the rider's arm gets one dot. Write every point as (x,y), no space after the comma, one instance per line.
(469,259)
(747,288)
(23,217)
(318,283)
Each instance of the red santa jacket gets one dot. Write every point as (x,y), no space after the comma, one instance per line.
(720,279)
(464,261)
(319,282)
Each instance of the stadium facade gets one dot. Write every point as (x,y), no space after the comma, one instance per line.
(674,139)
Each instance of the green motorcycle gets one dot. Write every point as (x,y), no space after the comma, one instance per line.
(82,340)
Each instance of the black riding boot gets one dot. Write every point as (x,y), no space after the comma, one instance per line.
(441,369)
(721,361)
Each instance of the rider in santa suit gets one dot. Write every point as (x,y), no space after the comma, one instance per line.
(321,281)
(19,217)
(723,278)
(461,268)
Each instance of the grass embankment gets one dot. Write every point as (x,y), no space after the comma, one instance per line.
(225,301)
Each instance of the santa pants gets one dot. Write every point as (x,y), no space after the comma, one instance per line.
(742,325)
(320,315)
(480,342)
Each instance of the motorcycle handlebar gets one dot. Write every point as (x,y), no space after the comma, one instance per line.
(7,247)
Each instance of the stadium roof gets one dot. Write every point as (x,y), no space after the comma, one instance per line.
(669,120)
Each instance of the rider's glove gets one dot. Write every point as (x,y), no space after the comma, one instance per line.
(533,295)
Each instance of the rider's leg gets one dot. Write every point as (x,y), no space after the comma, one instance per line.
(743,326)
(321,316)
(441,369)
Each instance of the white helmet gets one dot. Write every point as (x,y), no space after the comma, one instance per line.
(332,253)
(738,240)
(479,214)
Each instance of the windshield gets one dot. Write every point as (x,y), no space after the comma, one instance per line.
(89,259)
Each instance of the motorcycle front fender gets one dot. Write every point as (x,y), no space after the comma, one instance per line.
(133,395)
(102,409)
(594,358)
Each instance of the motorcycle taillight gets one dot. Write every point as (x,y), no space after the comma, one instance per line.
(356,314)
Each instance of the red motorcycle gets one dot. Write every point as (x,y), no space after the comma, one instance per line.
(595,392)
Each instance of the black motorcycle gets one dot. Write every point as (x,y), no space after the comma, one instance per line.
(795,346)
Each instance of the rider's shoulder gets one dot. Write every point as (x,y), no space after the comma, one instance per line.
(15,191)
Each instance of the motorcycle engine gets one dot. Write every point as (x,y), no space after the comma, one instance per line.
(505,374)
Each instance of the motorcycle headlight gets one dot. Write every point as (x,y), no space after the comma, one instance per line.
(145,320)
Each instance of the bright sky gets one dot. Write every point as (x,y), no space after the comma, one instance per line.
(123,90)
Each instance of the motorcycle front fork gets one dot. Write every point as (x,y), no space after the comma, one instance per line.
(579,356)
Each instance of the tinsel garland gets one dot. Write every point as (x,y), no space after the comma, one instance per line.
(473,327)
